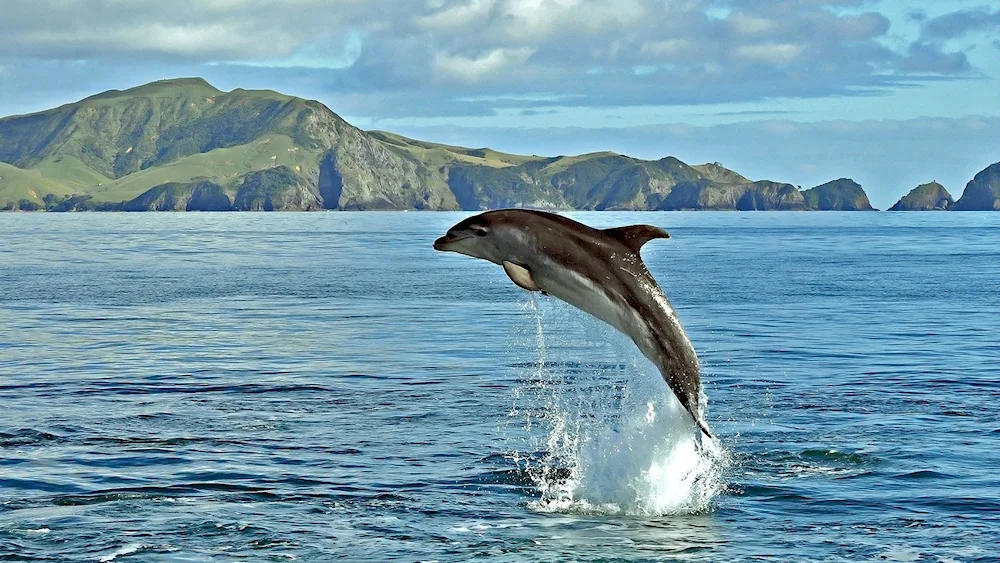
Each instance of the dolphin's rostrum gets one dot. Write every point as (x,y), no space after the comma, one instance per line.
(598,271)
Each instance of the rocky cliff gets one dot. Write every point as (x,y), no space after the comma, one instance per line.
(925,197)
(839,195)
(982,193)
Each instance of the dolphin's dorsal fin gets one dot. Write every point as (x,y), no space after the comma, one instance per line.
(520,276)
(634,236)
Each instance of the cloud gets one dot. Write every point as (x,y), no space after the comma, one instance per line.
(770,53)
(751,25)
(492,63)
(930,57)
(930,52)
(754,112)
(392,58)
(961,23)
(188,30)
(668,49)
(456,16)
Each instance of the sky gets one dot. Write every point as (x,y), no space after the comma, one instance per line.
(891,93)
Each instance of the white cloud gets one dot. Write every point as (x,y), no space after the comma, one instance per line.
(456,16)
(189,41)
(751,25)
(394,57)
(468,69)
(771,53)
(668,48)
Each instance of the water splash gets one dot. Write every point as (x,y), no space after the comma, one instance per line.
(611,438)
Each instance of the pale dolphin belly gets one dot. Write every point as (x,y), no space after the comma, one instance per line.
(581,292)
(602,302)
(648,320)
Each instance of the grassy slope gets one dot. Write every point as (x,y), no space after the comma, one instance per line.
(118,133)
(17,184)
(222,166)
(563,163)
(718,173)
(69,171)
(435,155)
(172,88)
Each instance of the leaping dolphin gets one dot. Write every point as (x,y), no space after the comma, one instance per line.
(597,271)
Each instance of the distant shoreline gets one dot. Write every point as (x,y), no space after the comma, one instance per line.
(431,211)
(184,145)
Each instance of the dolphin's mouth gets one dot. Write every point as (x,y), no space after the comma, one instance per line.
(443,242)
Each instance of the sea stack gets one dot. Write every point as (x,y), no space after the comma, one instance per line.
(982,193)
(931,196)
(839,195)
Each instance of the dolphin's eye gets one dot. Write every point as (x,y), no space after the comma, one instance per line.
(479,231)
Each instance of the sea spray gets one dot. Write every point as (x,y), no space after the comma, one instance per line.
(606,437)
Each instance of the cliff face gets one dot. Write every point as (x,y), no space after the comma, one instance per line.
(605,182)
(194,196)
(925,197)
(839,195)
(183,145)
(750,196)
(982,193)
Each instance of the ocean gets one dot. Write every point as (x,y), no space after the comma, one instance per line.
(186,387)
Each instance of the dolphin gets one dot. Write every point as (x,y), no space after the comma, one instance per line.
(596,270)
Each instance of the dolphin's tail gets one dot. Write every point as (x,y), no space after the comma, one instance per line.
(702,426)
(689,400)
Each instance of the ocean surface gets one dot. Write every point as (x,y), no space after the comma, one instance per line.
(324,386)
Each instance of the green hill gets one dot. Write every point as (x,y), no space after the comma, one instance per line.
(183,144)
(118,145)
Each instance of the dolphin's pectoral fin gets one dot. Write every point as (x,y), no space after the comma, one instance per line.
(520,276)
(634,236)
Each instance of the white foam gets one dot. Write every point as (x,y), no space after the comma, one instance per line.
(904,555)
(632,450)
(124,550)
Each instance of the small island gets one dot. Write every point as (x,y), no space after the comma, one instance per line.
(926,197)
(839,195)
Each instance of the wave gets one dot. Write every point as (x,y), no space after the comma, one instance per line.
(614,440)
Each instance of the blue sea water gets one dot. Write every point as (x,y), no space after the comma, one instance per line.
(324,386)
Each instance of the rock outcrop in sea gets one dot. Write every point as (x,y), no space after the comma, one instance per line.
(931,196)
(982,193)
(839,195)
